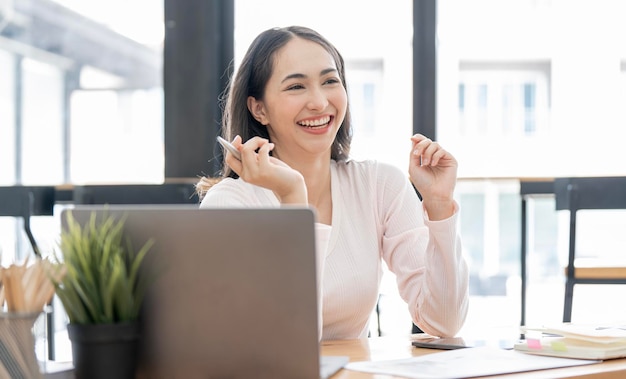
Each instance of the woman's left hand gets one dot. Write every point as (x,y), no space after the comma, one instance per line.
(433,172)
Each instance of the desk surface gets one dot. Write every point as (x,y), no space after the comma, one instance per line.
(382,348)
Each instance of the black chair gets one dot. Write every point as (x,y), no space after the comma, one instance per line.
(24,202)
(601,193)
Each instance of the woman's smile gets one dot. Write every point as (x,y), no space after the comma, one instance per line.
(317,126)
(315,123)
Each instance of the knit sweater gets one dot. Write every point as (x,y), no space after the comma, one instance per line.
(376,217)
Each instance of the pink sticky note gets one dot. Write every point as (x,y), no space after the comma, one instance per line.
(533,343)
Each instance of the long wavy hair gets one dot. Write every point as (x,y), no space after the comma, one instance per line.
(251,79)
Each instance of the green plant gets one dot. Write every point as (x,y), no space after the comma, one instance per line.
(102,281)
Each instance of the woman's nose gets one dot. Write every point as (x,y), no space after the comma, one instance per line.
(317,99)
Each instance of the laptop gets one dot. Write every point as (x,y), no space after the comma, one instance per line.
(236,291)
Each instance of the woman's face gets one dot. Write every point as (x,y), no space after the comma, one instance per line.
(304,101)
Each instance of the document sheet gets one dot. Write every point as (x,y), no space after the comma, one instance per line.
(465,363)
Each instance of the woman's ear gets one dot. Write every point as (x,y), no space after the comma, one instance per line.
(257,108)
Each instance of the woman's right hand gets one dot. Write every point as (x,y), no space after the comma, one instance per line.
(259,168)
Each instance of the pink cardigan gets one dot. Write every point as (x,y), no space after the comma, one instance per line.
(376,216)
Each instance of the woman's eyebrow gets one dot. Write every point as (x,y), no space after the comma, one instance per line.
(300,76)
(293,76)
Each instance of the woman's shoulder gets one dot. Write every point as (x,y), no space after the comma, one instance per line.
(229,191)
(206,184)
(230,185)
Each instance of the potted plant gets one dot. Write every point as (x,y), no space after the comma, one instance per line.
(102,292)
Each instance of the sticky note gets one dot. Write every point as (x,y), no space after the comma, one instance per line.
(558,346)
(533,343)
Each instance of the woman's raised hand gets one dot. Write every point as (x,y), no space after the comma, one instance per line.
(259,168)
(433,172)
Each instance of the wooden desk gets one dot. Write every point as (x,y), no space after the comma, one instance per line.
(382,348)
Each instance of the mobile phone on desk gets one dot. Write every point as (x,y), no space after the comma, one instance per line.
(460,343)
(229,146)
(442,343)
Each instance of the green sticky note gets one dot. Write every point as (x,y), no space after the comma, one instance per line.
(558,346)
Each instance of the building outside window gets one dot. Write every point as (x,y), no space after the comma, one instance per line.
(501,101)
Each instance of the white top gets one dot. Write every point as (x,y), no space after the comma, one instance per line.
(376,215)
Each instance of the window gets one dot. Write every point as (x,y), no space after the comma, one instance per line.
(622,96)
(86,108)
(7,118)
(517,85)
(530,108)
(80,101)
(366,94)
(42,147)
(503,100)
(363,95)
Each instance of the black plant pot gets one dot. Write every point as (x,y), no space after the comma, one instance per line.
(104,351)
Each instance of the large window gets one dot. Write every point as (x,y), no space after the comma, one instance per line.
(7,118)
(117,136)
(41,145)
(525,92)
(81,101)
(81,96)
(523,82)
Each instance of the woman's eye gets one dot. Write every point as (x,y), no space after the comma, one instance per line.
(331,81)
(295,87)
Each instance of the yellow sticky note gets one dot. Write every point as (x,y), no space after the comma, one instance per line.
(558,346)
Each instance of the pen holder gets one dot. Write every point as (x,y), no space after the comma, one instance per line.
(17,346)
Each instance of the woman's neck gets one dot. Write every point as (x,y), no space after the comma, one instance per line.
(318,182)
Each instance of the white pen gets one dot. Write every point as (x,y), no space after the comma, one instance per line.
(229,146)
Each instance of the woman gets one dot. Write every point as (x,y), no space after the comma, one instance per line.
(287,113)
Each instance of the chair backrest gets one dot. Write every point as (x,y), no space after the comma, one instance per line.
(590,193)
(27,201)
(17,201)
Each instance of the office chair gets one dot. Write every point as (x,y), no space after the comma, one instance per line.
(600,193)
(24,202)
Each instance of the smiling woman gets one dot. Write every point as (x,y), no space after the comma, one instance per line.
(287,113)
(302,90)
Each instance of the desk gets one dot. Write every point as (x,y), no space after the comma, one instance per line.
(382,348)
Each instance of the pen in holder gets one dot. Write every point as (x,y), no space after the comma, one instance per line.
(25,290)
(17,346)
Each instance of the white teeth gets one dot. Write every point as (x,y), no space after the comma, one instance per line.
(315,123)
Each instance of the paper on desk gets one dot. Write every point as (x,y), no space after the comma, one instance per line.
(465,363)
(584,332)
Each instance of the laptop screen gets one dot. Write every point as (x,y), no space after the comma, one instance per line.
(236,290)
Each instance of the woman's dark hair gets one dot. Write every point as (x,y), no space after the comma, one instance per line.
(252,77)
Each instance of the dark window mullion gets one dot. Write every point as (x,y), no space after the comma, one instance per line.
(18,95)
(425,67)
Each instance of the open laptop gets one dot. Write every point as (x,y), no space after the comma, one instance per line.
(236,293)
